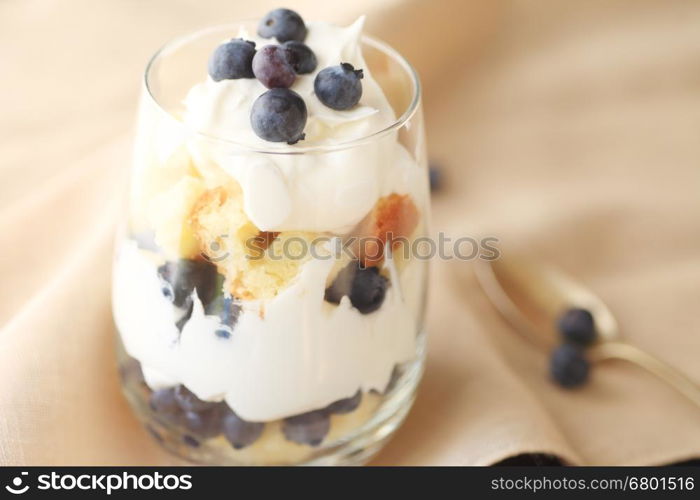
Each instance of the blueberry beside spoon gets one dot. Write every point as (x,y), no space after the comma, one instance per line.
(531,296)
(568,364)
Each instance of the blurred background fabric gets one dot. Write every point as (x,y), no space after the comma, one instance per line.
(569,129)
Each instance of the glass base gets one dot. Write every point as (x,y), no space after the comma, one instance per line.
(354,439)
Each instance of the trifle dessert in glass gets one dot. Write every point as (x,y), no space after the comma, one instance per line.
(266,294)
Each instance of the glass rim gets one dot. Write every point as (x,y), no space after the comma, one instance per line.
(372,41)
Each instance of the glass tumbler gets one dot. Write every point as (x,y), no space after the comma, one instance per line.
(240,345)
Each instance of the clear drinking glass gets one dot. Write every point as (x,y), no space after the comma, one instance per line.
(274,362)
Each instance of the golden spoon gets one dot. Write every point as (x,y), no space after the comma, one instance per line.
(531,295)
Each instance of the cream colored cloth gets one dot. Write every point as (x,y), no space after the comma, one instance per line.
(566,128)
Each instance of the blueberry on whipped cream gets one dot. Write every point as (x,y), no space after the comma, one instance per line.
(202,420)
(282,24)
(308,428)
(188,401)
(339,87)
(204,424)
(163,403)
(346,405)
(365,287)
(232,60)
(166,408)
(240,433)
(301,57)
(181,278)
(272,67)
(279,115)
(227,309)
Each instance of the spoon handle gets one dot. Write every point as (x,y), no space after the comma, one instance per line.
(641,358)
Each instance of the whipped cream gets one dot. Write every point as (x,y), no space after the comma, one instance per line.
(291,354)
(320,192)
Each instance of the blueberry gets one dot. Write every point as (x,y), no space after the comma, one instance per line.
(283,24)
(190,441)
(163,401)
(346,405)
(364,285)
(223,333)
(568,366)
(228,310)
(394,378)
(308,428)
(577,326)
(279,115)
(232,60)
(179,279)
(130,372)
(180,323)
(339,87)
(435,174)
(342,284)
(164,405)
(273,68)
(368,290)
(239,432)
(205,424)
(300,56)
(167,290)
(189,402)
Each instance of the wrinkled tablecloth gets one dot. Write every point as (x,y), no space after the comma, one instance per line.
(569,129)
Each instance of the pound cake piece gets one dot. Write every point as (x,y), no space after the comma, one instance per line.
(151,178)
(257,264)
(168,215)
(393,218)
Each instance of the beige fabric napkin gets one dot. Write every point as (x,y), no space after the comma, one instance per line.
(565,128)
